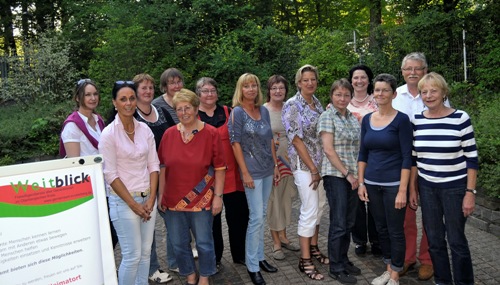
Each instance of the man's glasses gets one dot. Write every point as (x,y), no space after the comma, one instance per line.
(413,68)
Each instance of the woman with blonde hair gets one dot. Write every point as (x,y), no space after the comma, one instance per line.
(253,147)
(300,116)
(191,186)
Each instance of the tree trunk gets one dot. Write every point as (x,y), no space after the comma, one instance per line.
(375,20)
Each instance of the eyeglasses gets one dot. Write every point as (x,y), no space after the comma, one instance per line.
(382,90)
(413,69)
(82,81)
(274,89)
(207,91)
(183,110)
(339,96)
(176,83)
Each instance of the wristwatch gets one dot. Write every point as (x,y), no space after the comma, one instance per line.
(473,191)
(219,195)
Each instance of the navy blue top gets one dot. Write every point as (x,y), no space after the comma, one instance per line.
(386,150)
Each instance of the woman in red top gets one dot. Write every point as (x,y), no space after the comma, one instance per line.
(191,186)
(235,200)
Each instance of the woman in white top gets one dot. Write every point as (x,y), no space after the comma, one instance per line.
(82,129)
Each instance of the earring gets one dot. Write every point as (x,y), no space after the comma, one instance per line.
(116,109)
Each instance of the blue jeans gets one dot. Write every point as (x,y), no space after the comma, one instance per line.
(389,222)
(438,203)
(181,224)
(257,199)
(135,237)
(171,262)
(343,202)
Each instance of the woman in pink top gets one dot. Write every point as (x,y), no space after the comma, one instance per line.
(131,169)
(362,103)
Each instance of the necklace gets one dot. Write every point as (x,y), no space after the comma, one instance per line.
(147,114)
(129,133)
(360,101)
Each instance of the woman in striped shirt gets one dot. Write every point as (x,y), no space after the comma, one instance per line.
(445,177)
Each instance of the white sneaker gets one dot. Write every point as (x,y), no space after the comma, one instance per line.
(160,276)
(382,279)
(176,270)
(195,253)
(392,282)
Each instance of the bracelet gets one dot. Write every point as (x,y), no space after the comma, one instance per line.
(361,184)
(315,173)
(219,195)
(346,174)
(275,165)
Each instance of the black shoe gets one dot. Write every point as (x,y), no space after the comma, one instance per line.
(257,278)
(343,277)
(376,250)
(218,266)
(360,249)
(352,269)
(267,267)
(240,261)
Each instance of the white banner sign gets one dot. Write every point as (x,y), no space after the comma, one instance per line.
(54,226)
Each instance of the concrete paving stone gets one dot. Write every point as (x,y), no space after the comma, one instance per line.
(485,251)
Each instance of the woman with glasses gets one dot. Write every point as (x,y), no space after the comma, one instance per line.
(131,170)
(279,210)
(158,120)
(384,164)
(191,186)
(252,140)
(339,132)
(234,198)
(300,116)
(171,81)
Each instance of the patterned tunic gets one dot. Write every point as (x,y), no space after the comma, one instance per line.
(300,120)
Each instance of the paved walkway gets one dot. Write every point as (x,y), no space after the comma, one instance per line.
(484,246)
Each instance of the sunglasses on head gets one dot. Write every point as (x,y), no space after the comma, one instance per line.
(121,83)
(82,81)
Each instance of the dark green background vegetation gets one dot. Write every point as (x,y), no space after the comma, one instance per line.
(46,46)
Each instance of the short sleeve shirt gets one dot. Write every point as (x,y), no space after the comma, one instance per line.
(346,133)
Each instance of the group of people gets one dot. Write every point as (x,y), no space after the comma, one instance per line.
(371,154)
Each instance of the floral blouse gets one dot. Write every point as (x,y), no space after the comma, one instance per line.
(300,120)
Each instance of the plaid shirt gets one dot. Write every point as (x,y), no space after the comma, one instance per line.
(346,135)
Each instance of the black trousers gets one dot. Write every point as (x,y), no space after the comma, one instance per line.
(364,225)
(236,209)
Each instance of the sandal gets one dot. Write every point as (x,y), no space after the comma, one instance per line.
(307,266)
(318,255)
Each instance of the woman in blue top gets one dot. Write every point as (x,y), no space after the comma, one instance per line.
(446,169)
(252,140)
(383,174)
